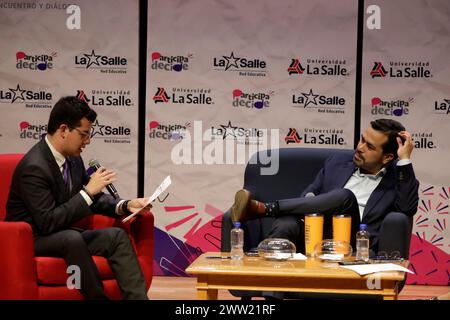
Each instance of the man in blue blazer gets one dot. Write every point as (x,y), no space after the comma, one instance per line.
(368,185)
(51,191)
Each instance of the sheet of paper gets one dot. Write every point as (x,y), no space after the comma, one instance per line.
(162,187)
(364,269)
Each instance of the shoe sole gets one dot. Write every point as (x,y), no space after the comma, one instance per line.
(240,205)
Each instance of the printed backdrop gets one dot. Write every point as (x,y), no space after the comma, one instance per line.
(42,60)
(406,77)
(237,74)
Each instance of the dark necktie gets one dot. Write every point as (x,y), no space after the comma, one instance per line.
(66,174)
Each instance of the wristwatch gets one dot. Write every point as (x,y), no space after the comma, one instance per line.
(124,207)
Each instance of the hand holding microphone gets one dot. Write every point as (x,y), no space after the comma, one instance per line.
(100,179)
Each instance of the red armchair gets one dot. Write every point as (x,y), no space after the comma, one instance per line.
(24,276)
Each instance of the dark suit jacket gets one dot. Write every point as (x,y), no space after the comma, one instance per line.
(39,196)
(397,191)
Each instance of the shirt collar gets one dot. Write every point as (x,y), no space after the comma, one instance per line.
(60,159)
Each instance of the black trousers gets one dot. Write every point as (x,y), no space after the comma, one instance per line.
(289,223)
(78,247)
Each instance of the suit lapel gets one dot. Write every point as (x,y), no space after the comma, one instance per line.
(344,172)
(57,176)
(75,176)
(386,183)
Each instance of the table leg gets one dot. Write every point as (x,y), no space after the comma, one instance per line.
(203,291)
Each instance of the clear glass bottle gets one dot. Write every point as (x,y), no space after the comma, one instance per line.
(237,242)
(362,243)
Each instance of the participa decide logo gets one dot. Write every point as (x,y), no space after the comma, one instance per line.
(35,62)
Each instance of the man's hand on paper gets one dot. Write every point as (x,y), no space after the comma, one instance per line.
(138,204)
(142,205)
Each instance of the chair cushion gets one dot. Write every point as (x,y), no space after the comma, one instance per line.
(52,271)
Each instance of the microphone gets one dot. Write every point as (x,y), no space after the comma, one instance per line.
(94,165)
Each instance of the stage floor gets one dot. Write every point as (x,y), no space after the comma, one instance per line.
(183,288)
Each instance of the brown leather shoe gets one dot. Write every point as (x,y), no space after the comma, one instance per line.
(241,206)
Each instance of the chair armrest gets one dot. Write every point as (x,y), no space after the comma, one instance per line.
(140,230)
(227,225)
(395,233)
(17,264)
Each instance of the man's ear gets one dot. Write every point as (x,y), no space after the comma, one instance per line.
(63,129)
(388,157)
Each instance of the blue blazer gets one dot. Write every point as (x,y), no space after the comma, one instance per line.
(397,191)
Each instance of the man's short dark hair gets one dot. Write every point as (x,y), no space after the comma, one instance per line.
(390,128)
(69,110)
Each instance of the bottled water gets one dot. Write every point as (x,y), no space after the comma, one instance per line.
(362,243)
(237,242)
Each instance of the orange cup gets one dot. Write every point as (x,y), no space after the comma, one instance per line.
(342,225)
(313,232)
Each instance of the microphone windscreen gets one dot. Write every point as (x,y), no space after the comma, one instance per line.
(94,163)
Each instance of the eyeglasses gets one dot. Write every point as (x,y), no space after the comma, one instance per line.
(83,135)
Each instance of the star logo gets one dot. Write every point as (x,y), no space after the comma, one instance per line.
(231,61)
(92,59)
(228,130)
(97,128)
(448,105)
(310,98)
(18,93)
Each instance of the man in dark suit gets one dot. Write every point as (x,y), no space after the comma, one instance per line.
(367,186)
(51,191)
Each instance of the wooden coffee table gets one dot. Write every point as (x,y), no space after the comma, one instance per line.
(310,275)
